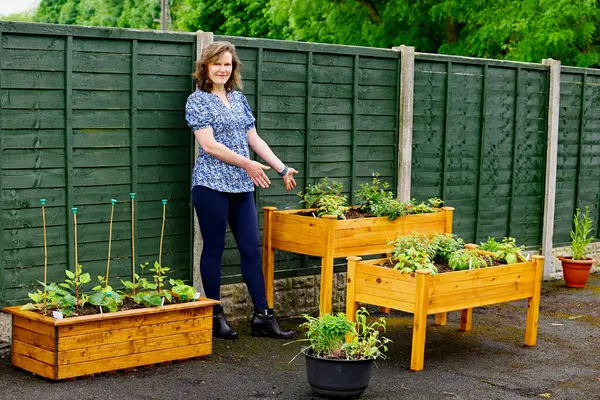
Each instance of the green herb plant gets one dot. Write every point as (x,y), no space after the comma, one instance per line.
(580,234)
(104,296)
(326,197)
(468,259)
(74,282)
(327,336)
(506,251)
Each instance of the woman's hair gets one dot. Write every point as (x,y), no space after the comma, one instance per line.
(211,53)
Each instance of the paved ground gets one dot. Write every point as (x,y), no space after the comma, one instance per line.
(487,363)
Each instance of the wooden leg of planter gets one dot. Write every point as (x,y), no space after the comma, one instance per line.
(417,356)
(441,318)
(351,304)
(268,256)
(533,304)
(386,310)
(466,319)
(326,285)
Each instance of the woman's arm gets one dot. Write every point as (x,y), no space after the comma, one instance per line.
(262,149)
(255,170)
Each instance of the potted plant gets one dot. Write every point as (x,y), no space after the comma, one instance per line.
(326,228)
(576,268)
(341,352)
(427,275)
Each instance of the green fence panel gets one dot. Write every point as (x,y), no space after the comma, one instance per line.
(578,164)
(90,114)
(329,111)
(479,142)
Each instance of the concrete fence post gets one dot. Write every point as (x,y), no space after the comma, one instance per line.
(203,39)
(405,125)
(551,163)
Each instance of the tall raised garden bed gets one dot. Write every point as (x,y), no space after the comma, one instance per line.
(84,345)
(330,238)
(421,293)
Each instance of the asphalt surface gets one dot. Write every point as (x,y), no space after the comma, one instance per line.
(490,362)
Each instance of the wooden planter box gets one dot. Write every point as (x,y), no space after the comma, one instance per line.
(70,347)
(422,294)
(330,238)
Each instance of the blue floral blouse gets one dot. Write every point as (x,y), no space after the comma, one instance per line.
(230,127)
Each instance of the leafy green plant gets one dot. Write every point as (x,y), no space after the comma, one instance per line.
(412,260)
(468,259)
(326,197)
(327,336)
(506,251)
(314,193)
(445,244)
(104,296)
(185,292)
(582,227)
(74,282)
(376,198)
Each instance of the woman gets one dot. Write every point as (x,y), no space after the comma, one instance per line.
(223,182)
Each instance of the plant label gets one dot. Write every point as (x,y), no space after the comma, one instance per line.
(57,314)
(197,296)
(163,302)
(100,310)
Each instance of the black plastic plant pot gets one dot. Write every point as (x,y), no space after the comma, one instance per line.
(338,378)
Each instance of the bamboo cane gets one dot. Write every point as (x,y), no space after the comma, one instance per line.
(112,212)
(43,202)
(162,232)
(132,195)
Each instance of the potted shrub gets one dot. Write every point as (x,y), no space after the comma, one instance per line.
(341,352)
(430,278)
(576,268)
(326,228)
(68,331)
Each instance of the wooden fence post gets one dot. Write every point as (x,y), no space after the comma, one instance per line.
(203,39)
(551,162)
(405,125)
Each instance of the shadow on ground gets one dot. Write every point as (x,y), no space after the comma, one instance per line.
(490,362)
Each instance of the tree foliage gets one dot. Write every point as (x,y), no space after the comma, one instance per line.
(525,30)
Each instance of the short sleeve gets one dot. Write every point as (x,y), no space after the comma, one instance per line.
(196,114)
(247,113)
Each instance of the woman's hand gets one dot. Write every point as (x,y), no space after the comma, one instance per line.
(256,172)
(288,179)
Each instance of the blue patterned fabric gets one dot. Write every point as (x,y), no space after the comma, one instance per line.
(230,127)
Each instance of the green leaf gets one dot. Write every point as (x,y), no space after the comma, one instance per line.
(70,274)
(85,278)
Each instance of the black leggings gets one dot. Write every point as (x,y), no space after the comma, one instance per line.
(214,210)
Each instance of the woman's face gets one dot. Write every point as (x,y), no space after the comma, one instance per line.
(220,69)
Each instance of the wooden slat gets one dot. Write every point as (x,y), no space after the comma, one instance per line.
(361,250)
(134,347)
(35,366)
(134,360)
(34,339)
(124,323)
(135,333)
(34,326)
(480,297)
(37,353)
(401,289)
(481,282)
(307,237)
(416,220)
(297,248)
(381,298)
(362,237)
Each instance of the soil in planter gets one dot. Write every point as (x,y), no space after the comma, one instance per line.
(350,214)
(88,309)
(441,264)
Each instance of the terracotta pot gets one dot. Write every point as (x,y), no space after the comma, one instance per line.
(576,272)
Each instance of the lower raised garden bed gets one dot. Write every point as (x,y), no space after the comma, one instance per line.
(421,293)
(71,347)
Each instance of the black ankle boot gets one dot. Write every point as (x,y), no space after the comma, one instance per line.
(264,324)
(221,328)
